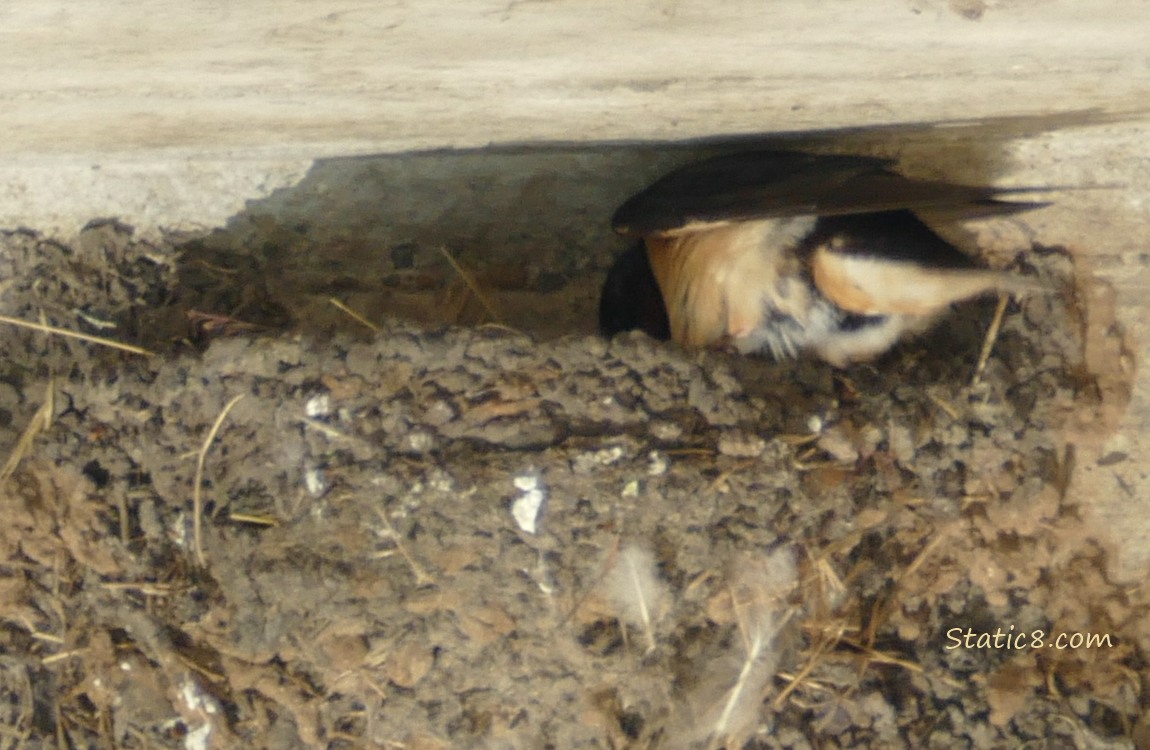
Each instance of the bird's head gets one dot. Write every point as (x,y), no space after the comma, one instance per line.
(631,299)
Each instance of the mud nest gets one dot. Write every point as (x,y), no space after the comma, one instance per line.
(462,537)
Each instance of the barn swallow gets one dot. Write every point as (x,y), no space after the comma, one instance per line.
(785,252)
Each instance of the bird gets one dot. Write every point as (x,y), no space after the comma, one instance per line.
(788,253)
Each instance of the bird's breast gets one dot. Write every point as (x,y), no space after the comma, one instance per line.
(728,282)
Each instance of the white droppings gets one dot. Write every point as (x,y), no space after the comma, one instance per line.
(318,405)
(179,532)
(585,463)
(199,738)
(419,441)
(195,699)
(315,482)
(527,509)
(197,703)
(526,482)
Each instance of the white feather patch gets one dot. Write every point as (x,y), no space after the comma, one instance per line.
(635,590)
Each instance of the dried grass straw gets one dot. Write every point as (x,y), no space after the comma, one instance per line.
(197,494)
(76,335)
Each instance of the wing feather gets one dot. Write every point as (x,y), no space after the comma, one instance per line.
(772,184)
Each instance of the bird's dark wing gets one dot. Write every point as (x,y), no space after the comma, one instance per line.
(893,236)
(766,184)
